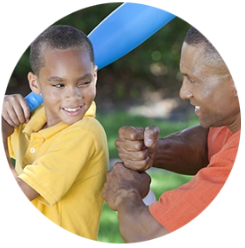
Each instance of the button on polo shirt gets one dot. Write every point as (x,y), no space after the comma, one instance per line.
(32,150)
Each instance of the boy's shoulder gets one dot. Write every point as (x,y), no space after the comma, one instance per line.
(88,123)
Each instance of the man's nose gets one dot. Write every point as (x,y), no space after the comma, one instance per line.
(185,91)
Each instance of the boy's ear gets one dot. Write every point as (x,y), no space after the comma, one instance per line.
(95,73)
(33,82)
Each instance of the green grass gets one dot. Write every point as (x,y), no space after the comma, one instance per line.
(161,180)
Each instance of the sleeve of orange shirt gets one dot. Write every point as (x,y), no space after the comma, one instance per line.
(177,207)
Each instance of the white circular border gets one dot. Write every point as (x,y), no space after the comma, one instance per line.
(221,223)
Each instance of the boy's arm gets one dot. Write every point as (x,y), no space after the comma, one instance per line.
(7,129)
(30,193)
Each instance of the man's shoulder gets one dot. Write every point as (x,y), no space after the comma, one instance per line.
(222,139)
(222,135)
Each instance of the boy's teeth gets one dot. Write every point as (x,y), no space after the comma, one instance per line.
(72,109)
(197,107)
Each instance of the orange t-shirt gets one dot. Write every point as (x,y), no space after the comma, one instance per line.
(179,206)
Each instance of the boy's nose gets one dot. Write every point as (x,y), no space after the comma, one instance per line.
(73,93)
(185,93)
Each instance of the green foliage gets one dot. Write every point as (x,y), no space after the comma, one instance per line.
(153,62)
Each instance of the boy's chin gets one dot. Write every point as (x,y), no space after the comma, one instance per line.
(72,120)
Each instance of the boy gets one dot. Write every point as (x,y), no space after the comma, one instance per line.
(61,151)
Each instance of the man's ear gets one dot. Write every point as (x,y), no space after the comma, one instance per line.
(33,82)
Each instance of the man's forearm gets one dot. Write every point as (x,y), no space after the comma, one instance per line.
(135,221)
(184,152)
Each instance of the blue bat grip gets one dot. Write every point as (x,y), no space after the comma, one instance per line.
(34,100)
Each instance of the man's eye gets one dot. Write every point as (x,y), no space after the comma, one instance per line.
(58,85)
(190,80)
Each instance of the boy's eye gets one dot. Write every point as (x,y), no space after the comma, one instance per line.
(84,83)
(58,85)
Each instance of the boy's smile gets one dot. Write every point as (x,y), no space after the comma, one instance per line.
(67,83)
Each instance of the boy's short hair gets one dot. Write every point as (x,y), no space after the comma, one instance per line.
(59,37)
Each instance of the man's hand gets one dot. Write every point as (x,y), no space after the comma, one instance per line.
(15,110)
(136,146)
(121,182)
(123,192)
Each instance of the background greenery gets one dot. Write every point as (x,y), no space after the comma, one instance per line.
(152,66)
(142,78)
(162,180)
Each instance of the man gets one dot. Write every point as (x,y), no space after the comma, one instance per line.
(207,151)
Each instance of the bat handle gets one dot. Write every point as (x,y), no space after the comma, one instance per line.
(34,100)
(150,198)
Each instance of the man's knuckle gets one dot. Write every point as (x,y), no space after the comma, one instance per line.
(142,156)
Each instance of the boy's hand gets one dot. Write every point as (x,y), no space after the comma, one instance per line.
(15,110)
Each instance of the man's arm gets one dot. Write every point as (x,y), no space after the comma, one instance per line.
(123,192)
(183,152)
(135,220)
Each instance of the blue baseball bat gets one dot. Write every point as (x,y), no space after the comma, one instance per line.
(123,30)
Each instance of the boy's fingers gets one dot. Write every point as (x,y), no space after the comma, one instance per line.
(9,120)
(15,110)
(18,111)
(25,109)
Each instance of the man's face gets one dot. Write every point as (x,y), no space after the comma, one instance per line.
(211,92)
(67,83)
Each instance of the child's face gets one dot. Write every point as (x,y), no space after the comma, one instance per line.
(67,83)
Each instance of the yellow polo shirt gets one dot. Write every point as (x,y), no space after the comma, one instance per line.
(67,166)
